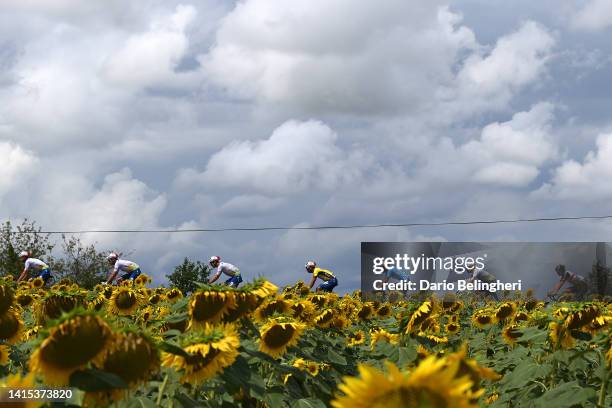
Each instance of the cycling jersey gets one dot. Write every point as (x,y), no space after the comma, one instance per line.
(125,266)
(324,274)
(228,269)
(483,276)
(573,278)
(35,264)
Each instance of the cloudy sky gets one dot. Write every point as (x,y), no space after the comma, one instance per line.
(215,113)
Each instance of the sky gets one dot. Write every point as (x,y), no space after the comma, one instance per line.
(150,114)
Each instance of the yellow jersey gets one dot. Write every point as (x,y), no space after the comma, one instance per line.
(324,274)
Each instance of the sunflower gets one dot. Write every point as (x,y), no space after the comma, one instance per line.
(70,346)
(55,304)
(433,338)
(270,308)
(511,334)
(434,383)
(452,327)
(419,316)
(311,367)
(378,335)
(303,310)
(155,298)
(98,303)
(505,311)
(17,381)
(209,353)
(173,295)
(277,336)
(356,338)
(124,301)
(521,316)
(472,369)
(325,318)
(384,311)
(6,298)
(340,322)
(11,327)
(560,336)
(25,299)
(179,322)
(142,280)
(366,311)
(581,317)
(319,300)
(245,303)
(108,292)
(263,289)
(37,283)
(133,358)
(482,319)
(32,333)
(4,355)
(210,306)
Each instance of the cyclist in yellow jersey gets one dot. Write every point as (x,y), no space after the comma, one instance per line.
(329,279)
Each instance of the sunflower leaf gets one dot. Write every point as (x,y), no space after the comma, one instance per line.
(93,380)
(308,403)
(173,349)
(335,357)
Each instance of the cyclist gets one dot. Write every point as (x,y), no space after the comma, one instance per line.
(225,268)
(128,269)
(483,276)
(578,284)
(329,279)
(33,264)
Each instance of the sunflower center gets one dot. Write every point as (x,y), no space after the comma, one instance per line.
(6,298)
(410,397)
(199,360)
(278,336)
(75,343)
(132,364)
(125,300)
(9,325)
(207,306)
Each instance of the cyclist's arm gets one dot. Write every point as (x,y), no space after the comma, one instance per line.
(558,286)
(23,274)
(312,282)
(112,276)
(215,277)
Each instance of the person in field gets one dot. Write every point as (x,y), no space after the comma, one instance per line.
(128,269)
(227,269)
(482,275)
(35,266)
(329,279)
(577,288)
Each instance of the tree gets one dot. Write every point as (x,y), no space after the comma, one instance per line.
(24,237)
(187,274)
(84,264)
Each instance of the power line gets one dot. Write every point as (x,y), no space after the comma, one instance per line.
(332,227)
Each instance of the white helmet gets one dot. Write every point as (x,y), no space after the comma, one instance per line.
(214,259)
(311,265)
(24,254)
(112,255)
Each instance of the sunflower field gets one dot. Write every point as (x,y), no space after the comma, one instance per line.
(258,346)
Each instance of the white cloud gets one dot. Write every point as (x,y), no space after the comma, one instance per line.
(510,153)
(518,59)
(297,157)
(151,57)
(250,205)
(338,56)
(16,165)
(595,15)
(387,57)
(584,181)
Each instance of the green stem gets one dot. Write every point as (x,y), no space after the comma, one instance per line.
(162,387)
(602,391)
